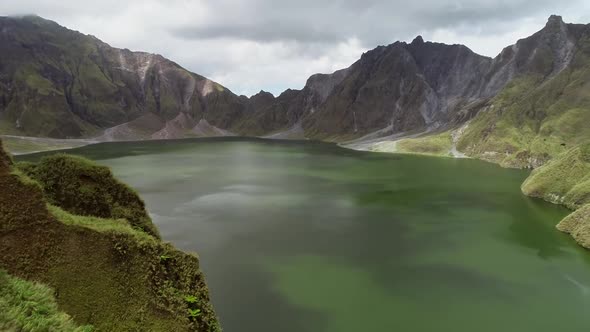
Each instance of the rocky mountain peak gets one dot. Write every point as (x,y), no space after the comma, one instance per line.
(263,93)
(554,20)
(262,99)
(418,40)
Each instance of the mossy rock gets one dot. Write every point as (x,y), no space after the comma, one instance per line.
(578,225)
(21,203)
(84,188)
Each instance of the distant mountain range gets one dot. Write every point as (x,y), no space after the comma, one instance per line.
(521,108)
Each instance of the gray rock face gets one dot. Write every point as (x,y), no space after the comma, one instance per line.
(404,86)
(422,86)
(322,85)
(546,53)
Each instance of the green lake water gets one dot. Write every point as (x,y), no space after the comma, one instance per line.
(310,237)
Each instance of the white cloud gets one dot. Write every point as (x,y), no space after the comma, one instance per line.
(480,43)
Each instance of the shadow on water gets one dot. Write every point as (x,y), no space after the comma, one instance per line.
(240,296)
(533,232)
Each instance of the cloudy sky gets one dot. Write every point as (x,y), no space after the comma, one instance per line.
(249,45)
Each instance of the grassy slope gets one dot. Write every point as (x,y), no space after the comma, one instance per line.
(105,272)
(29,307)
(578,225)
(524,128)
(434,145)
(535,119)
(60,83)
(41,105)
(564,180)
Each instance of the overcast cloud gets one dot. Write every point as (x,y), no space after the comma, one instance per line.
(249,45)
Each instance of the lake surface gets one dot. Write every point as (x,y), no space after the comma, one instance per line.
(310,237)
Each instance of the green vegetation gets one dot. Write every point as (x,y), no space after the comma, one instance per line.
(30,307)
(5,160)
(578,225)
(191,299)
(81,187)
(194,307)
(439,145)
(533,120)
(29,74)
(60,83)
(107,271)
(112,226)
(194,313)
(537,121)
(537,124)
(564,180)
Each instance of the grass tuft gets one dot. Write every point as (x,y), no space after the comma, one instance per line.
(31,307)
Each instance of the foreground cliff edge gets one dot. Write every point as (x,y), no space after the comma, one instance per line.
(107,268)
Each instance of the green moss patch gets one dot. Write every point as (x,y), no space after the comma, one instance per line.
(82,187)
(109,226)
(14,189)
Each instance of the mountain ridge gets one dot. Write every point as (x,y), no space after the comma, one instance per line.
(402,89)
(92,86)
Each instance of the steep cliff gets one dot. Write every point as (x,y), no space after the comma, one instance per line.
(106,264)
